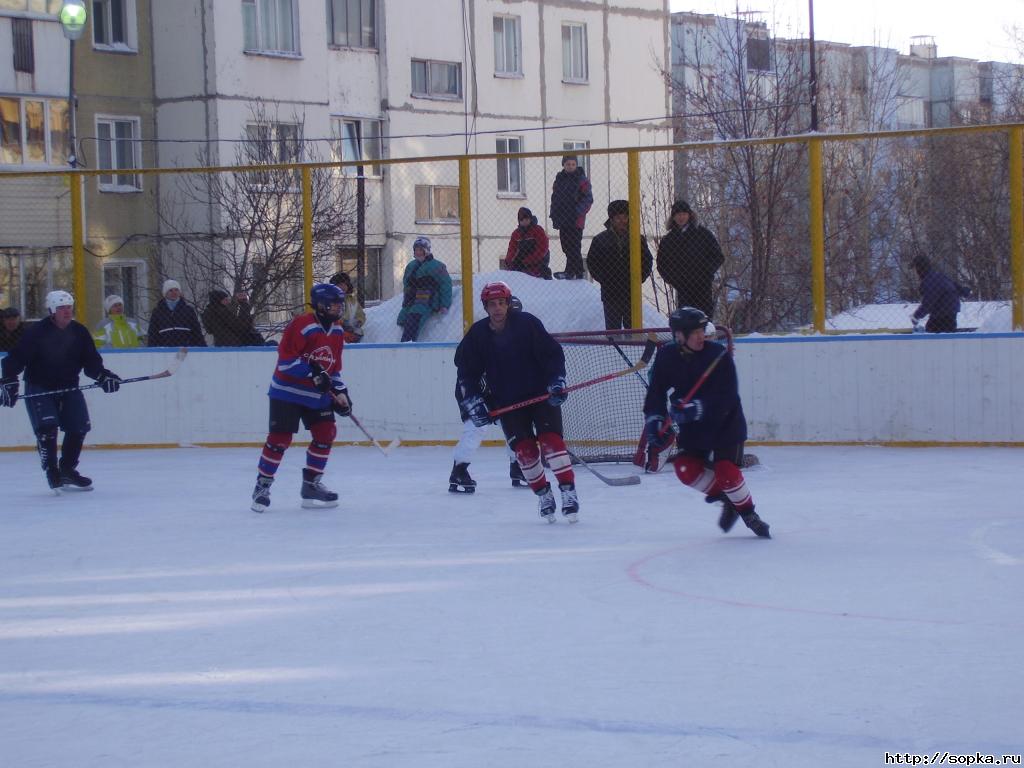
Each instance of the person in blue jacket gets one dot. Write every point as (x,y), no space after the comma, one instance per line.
(52,353)
(427,289)
(518,359)
(940,298)
(712,427)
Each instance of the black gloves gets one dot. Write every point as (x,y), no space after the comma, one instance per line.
(109,381)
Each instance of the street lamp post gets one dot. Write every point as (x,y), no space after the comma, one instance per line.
(72,21)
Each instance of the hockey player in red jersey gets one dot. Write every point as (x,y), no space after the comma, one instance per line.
(518,358)
(306,387)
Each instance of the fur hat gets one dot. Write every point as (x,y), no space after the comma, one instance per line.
(681,206)
(111,301)
(421,242)
(168,285)
(217,294)
(616,207)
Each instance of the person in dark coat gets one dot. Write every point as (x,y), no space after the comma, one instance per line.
(11,328)
(940,298)
(712,427)
(514,355)
(688,257)
(52,353)
(608,262)
(173,322)
(229,320)
(528,247)
(427,289)
(571,198)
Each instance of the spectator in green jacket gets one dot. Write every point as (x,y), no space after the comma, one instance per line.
(117,331)
(427,289)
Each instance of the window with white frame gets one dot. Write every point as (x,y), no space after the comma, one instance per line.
(437,204)
(569,147)
(574,53)
(436,79)
(352,23)
(113,25)
(118,149)
(270,26)
(125,279)
(508,47)
(33,131)
(348,261)
(27,275)
(273,143)
(357,139)
(510,169)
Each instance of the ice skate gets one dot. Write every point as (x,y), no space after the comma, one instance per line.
(261,494)
(547,503)
(71,480)
(460,481)
(729,514)
(53,480)
(570,502)
(515,473)
(755,523)
(316,496)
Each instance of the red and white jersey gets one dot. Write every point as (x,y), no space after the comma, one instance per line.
(303,341)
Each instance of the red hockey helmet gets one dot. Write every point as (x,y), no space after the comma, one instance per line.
(497,290)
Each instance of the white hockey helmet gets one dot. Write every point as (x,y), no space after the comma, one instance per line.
(56,299)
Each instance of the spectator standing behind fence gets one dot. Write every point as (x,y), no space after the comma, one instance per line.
(174,323)
(571,199)
(528,247)
(608,262)
(353,318)
(11,328)
(688,257)
(229,320)
(117,331)
(427,289)
(940,298)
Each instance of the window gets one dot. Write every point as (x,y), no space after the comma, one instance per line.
(117,149)
(759,55)
(436,79)
(273,143)
(352,23)
(111,24)
(570,147)
(357,140)
(348,261)
(507,46)
(24,53)
(124,279)
(27,275)
(437,204)
(510,169)
(574,53)
(33,131)
(269,26)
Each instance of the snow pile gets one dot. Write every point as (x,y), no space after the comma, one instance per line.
(987,316)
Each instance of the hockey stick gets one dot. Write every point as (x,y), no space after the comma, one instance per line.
(628,362)
(645,358)
(171,369)
(616,481)
(371,438)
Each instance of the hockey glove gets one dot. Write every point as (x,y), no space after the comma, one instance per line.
(556,390)
(684,413)
(9,391)
(342,404)
(109,381)
(658,437)
(321,379)
(476,408)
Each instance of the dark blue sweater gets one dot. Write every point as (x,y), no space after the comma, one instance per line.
(52,358)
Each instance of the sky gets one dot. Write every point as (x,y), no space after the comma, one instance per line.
(977,30)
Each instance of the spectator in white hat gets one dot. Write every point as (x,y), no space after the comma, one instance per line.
(117,331)
(174,322)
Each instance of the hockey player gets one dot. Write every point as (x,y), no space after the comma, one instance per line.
(306,387)
(519,359)
(52,353)
(712,427)
(460,481)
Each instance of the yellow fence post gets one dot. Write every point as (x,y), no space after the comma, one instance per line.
(636,313)
(466,243)
(307,230)
(1017,224)
(78,247)
(817,235)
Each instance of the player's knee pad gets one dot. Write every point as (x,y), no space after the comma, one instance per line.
(324,432)
(691,471)
(553,446)
(47,433)
(728,475)
(527,452)
(278,442)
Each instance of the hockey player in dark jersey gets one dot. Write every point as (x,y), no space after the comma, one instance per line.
(519,360)
(306,387)
(712,427)
(52,353)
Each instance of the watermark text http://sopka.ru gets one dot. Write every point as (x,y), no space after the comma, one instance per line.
(949,758)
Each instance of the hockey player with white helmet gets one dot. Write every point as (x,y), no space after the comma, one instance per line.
(52,353)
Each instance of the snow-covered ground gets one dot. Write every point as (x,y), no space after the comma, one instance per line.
(985,316)
(157,623)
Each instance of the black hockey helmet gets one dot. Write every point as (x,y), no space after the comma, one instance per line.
(515,304)
(687,319)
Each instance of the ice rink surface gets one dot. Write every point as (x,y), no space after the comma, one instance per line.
(157,622)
